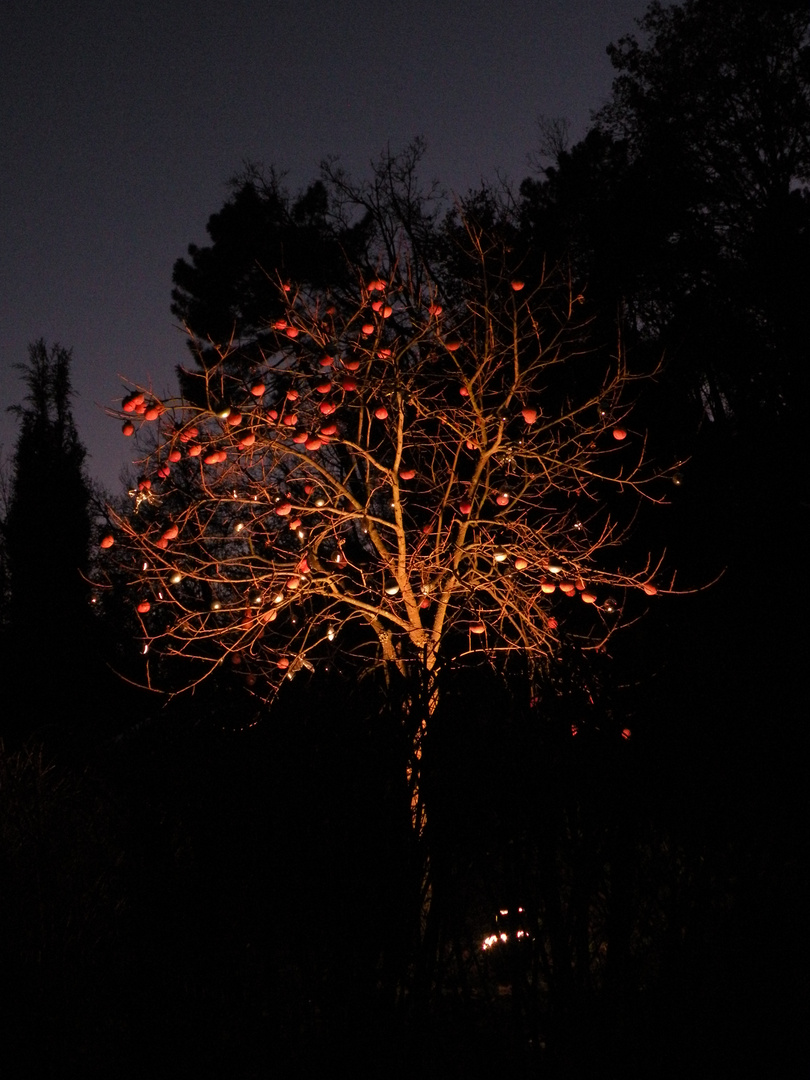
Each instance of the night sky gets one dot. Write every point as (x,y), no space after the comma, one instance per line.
(121,124)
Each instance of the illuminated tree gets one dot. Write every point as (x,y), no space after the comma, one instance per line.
(423,470)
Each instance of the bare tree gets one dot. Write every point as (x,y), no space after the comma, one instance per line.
(404,479)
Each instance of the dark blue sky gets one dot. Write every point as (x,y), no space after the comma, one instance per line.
(121,123)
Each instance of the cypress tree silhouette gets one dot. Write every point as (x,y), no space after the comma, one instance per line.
(46,533)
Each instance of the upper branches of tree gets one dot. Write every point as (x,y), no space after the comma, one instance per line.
(226,293)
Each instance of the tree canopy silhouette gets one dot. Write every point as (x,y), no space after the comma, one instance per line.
(46,534)
(688,204)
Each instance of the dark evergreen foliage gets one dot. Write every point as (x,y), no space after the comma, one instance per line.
(228,292)
(687,205)
(46,536)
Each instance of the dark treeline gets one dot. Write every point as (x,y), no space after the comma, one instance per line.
(188,885)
